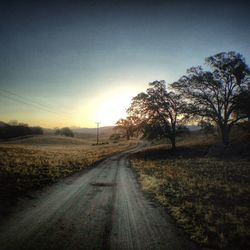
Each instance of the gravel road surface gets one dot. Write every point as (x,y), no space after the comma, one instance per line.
(100,208)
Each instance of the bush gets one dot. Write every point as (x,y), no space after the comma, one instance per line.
(207,128)
(115,137)
(182,130)
(65,131)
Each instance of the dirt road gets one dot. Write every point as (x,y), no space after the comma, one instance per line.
(101,208)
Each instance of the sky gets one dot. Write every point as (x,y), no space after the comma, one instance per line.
(74,63)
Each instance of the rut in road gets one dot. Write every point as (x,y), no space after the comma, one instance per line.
(101,208)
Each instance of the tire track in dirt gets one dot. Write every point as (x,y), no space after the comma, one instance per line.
(101,208)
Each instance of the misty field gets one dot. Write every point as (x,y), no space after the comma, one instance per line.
(34,162)
(208,196)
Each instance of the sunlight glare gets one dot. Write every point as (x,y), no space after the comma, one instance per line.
(112,107)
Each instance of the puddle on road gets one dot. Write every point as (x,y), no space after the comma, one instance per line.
(102,184)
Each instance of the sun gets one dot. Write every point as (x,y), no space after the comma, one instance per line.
(105,108)
(113,108)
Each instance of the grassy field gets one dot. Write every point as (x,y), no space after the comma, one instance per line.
(47,140)
(33,162)
(208,196)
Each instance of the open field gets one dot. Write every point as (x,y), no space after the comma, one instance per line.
(48,140)
(208,196)
(33,162)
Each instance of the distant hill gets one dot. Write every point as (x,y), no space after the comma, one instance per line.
(193,127)
(107,130)
(102,130)
(2,124)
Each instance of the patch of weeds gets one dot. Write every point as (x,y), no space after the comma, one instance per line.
(208,197)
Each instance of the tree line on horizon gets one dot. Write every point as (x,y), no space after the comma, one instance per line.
(218,97)
(15,129)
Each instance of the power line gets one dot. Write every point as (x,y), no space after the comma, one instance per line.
(30,101)
(20,99)
(35,102)
(29,104)
(26,103)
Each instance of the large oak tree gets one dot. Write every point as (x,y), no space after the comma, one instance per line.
(158,111)
(214,95)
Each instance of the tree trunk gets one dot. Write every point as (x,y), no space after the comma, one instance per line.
(173,142)
(127,135)
(225,131)
(172,139)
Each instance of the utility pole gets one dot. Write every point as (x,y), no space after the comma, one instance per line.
(97,132)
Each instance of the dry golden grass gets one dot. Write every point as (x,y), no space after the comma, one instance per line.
(209,197)
(34,162)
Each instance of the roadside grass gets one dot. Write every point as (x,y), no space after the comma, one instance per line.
(209,197)
(28,166)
